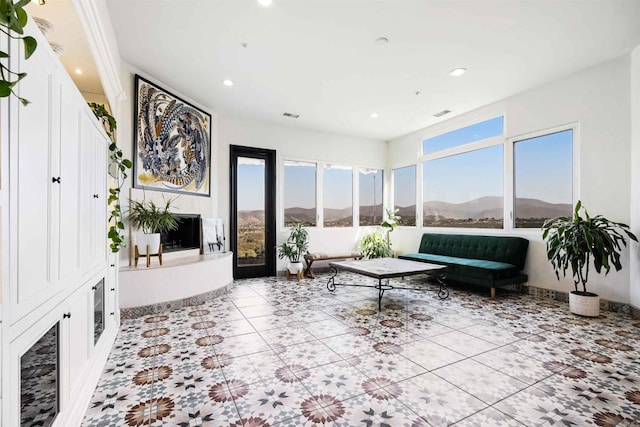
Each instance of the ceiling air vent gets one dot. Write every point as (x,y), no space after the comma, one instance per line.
(293,116)
(441,113)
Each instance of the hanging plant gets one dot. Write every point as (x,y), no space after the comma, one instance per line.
(13,19)
(121,165)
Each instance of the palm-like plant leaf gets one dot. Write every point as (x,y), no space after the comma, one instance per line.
(573,243)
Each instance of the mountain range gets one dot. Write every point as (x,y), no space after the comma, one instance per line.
(483,207)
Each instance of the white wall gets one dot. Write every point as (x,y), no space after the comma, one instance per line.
(598,99)
(635,176)
(289,143)
(206,206)
(298,144)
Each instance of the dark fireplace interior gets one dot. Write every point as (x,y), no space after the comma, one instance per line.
(187,236)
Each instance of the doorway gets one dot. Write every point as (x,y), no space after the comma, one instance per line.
(253,211)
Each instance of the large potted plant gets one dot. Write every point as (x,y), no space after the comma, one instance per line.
(576,242)
(295,247)
(151,220)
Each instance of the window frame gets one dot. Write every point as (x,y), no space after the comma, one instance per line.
(392,192)
(281,188)
(510,203)
(457,150)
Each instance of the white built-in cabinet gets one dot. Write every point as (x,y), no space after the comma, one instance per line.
(54,233)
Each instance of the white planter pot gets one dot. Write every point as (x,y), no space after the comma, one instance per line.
(152,240)
(584,305)
(294,267)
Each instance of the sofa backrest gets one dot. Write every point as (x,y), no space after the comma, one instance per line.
(511,250)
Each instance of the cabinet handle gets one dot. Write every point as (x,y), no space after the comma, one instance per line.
(55,180)
(113,289)
(112,313)
(66,315)
(93,288)
(95,196)
(113,265)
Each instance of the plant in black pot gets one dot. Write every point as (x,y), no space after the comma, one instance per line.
(151,220)
(578,242)
(295,247)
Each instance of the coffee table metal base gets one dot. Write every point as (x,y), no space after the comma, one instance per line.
(443,291)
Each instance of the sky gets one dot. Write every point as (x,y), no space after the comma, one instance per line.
(543,168)
(464,177)
(404,186)
(250,187)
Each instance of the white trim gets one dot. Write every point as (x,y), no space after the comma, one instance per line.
(392,192)
(105,54)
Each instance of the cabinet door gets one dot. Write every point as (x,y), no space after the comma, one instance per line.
(33,193)
(86,192)
(76,337)
(69,236)
(100,202)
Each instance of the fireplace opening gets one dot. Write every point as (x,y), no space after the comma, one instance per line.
(186,237)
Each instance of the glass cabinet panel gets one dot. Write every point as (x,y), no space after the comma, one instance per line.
(98,310)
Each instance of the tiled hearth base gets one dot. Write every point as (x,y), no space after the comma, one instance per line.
(135,312)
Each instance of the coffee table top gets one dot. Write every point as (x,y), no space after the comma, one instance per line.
(386,268)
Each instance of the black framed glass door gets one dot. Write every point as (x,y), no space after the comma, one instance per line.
(253,220)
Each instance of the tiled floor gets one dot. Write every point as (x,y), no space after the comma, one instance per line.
(273,352)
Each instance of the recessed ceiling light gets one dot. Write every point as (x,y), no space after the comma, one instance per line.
(227,82)
(457,72)
(265,3)
(78,71)
(381,41)
(375,115)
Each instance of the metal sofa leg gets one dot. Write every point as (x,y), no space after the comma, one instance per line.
(493,293)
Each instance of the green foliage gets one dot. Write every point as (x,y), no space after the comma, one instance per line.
(389,225)
(150,218)
(374,245)
(122,165)
(572,242)
(13,19)
(296,245)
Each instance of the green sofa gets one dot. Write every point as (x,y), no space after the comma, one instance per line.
(491,261)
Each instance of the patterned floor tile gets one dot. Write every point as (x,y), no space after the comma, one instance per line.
(438,401)
(276,352)
(481,381)
(489,417)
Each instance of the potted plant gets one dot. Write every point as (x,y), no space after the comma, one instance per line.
(374,245)
(574,242)
(389,225)
(295,247)
(152,220)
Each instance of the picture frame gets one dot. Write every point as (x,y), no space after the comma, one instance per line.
(213,240)
(171,142)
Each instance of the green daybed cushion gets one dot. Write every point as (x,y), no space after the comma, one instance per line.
(481,269)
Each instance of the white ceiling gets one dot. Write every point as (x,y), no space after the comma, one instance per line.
(67,32)
(317,58)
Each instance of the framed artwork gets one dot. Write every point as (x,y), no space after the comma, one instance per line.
(172,142)
(213,235)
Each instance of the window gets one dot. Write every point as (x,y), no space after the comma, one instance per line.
(464,190)
(543,185)
(299,193)
(466,135)
(370,196)
(404,194)
(338,196)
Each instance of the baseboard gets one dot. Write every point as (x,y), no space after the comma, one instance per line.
(605,305)
(80,403)
(147,310)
